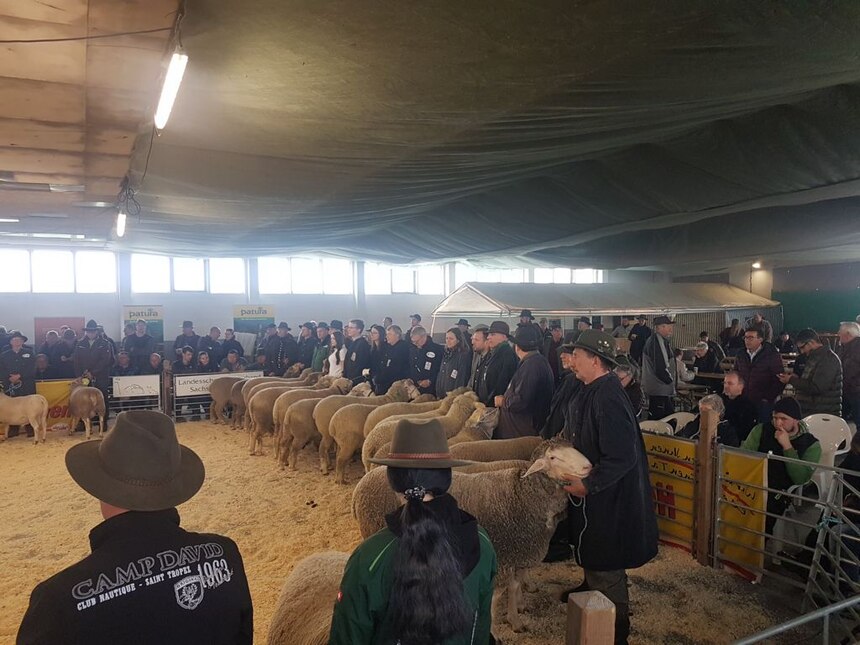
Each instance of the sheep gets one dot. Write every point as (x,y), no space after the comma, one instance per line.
(254,385)
(496,449)
(84,404)
(500,499)
(240,403)
(364,389)
(283,436)
(399,391)
(220,390)
(384,431)
(260,408)
(21,410)
(304,609)
(476,428)
(408,409)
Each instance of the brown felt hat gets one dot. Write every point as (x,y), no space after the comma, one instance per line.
(419,444)
(139,465)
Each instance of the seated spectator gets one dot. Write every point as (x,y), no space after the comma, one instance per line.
(44,371)
(628,374)
(784,344)
(784,435)
(726,434)
(154,366)
(740,411)
(123,366)
(233,362)
(819,388)
(204,363)
(185,363)
(715,347)
(732,338)
(260,360)
(685,375)
(705,362)
(230,342)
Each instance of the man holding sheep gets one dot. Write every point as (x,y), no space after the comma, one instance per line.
(612,527)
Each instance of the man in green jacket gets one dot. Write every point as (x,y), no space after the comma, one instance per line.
(787,436)
(323,348)
(819,389)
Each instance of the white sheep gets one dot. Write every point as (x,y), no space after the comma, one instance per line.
(322,384)
(520,513)
(260,407)
(496,449)
(21,410)
(85,403)
(220,390)
(304,608)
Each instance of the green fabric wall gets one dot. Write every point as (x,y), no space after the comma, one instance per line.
(821,310)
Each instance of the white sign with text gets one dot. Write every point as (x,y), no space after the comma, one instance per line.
(134,386)
(198,384)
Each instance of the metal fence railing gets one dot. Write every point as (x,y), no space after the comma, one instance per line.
(824,614)
(188,394)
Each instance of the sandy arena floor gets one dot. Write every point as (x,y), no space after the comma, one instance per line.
(45,519)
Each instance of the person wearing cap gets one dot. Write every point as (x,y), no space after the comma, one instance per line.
(613,528)
(233,362)
(271,330)
(281,351)
(414,321)
(526,318)
(139,345)
(456,363)
(358,357)
(230,343)
(92,358)
(819,389)
(785,435)
(480,351)
(562,395)
(524,406)
(322,349)
(426,358)
(147,579)
(639,334)
(211,345)
(628,374)
(188,337)
(716,348)
(336,325)
(760,365)
(496,370)
(307,344)
(396,362)
(659,369)
(428,575)
(464,326)
(551,348)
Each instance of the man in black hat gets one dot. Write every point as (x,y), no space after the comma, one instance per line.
(581,325)
(524,406)
(18,367)
(271,330)
(464,325)
(426,357)
(188,337)
(613,528)
(659,373)
(638,335)
(494,373)
(93,358)
(281,351)
(147,580)
(307,344)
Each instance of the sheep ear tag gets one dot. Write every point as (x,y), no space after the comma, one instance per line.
(539,466)
(85,381)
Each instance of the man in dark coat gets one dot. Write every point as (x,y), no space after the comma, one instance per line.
(524,406)
(147,579)
(495,371)
(211,345)
(819,389)
(18,367)
(230,344)
(551,346)
(562,396)
(659,373)
(426,358)
(358,358)
(613,528)
(139,345)
(307,344)
(93,358)
(396,363)
(638,335)
(188,337)
(760,365)
(281,351)
(741,413)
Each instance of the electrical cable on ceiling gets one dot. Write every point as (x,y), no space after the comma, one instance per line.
(77,38)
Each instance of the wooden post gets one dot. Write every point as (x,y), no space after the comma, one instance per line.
(703,491)
(590,619)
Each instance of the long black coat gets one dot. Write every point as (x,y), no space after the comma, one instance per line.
(425,364)
(527,399)
(22,363)
(558,407)
(621,529)
(495,373)
(395,366)
(454,372)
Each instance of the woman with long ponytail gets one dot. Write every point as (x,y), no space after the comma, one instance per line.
(427,578)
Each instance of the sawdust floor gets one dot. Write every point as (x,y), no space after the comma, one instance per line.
(45,519)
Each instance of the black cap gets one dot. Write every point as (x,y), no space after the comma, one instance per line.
(585,319)
(789,407)
(567,348)
(283,325)
(336,324)
(271,326)
(323,325)
(463,321)
(526,313)
(416,317)
(309,325)
(499,327)
(663,320)
(527,338)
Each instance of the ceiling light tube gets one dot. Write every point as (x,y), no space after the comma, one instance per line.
(9,220)
(169,90)
(120,224)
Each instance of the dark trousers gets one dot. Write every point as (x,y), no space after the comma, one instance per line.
(660,407)
(613,585)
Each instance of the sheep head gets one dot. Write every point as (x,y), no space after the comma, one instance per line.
(362,389)
(342,384)
(411,389)
(559,460)
(325,381)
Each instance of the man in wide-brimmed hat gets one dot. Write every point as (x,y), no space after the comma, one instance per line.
(614,527)
(147,580)
(496,370)
(93,358)
(18,371)
(659,369)
(524,406)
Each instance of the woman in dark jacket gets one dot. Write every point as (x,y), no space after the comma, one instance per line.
(456,363)
(396,364)
(378,345)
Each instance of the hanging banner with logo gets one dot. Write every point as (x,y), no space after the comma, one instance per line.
(739,502)
(57,393)
(198,384)
(252,319)
(153,315)
(671,464)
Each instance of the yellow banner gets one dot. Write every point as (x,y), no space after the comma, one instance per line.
(671,463)
(737,505)
(57,393)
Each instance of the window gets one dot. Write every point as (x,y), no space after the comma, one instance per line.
(150,273)
(273,275)
(337,277)
(189,274)
(95,272)
(431,280)
(226,275)
(52,271)
(587,276)
(16,278)
(402,280)
(544,275)
(516,276)
(307,275)
(377,279)
(464,273)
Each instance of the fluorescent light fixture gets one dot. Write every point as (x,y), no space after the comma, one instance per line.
(9,220)
(172,80)
(756,265)
(120,224)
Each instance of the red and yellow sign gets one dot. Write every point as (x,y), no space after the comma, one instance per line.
(57,393)
(671,463)
(738,503)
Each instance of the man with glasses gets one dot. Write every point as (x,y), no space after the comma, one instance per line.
(760,365)
(819,389)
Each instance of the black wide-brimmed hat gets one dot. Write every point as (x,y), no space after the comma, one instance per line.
(92,325)
(283,325)
(139,465)
(526,313)
(599,343)
(419,444)
(17,334)
(662,320)
(499,327)
(463,321)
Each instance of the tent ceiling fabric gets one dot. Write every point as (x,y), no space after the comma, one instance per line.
(494,299)
(619,134)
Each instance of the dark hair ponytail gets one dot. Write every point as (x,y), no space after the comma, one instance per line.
(427,604)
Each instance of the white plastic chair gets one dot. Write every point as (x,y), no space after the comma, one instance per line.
(681,419)
(830,431)
(658,427)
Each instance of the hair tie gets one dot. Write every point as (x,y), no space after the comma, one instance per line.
(416,493)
